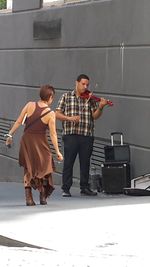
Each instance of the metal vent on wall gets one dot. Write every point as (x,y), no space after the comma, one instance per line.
(45,30)
(5,125)
(58,164)
(97,157)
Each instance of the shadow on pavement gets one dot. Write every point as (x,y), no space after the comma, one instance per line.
(8,242)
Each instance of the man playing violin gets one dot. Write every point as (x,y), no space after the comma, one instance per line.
(77,114)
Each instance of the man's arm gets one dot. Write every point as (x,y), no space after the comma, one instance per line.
(98,112)
(60,116)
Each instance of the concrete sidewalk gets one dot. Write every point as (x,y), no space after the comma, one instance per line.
(106,230)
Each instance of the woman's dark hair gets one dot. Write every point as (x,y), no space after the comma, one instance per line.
(46,92)
(82,76)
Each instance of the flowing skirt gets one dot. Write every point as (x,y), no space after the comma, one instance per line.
(36,159)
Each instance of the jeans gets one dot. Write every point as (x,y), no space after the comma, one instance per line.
(76,145)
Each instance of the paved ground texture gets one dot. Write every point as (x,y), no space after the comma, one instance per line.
(106,230)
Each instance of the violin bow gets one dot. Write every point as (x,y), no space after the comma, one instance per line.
(86,101)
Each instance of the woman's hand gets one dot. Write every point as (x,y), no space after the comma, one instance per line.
(9,141)
(59,156)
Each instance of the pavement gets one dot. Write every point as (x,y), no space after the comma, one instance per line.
(106,230)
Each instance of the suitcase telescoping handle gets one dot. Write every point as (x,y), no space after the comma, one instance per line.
(116,133)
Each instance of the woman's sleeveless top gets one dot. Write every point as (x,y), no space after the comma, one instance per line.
(38,127)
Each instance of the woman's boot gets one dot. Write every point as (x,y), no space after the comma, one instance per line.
(29,198)
(43,196)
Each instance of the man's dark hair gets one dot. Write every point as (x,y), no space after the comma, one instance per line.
(46,91)
(82,76)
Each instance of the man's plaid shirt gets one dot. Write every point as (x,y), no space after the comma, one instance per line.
(70,105)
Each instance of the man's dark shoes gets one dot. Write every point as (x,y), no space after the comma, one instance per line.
(66,193)
(88,192)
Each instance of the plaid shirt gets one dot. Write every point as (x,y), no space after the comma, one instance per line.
(71,105)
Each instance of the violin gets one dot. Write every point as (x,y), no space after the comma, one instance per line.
(86,95)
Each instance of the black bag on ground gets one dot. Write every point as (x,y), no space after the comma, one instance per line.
(115,177)
(136,191)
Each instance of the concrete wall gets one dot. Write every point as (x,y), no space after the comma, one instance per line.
(107,40)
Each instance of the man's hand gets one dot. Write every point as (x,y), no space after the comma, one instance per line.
(103,102)
(74,119)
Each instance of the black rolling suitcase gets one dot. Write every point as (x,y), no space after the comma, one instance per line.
(116,168)
(119,152)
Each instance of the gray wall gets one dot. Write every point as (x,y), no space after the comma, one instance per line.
(107,40)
